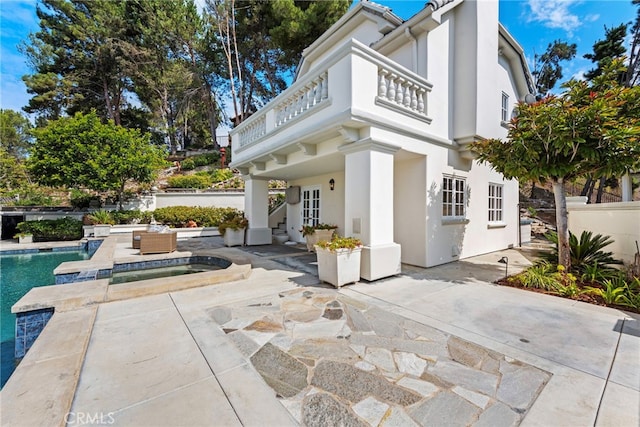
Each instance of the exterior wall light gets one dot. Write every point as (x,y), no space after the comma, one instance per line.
(505,260)
(332,184)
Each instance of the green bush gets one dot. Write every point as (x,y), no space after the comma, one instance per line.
(81,199)
(133,216)
(539,276)
(233,221)
(206,159)
(187,164)
(584,252)
(179,216)
(101,216)
(190,181)
(220,175)
(52,229)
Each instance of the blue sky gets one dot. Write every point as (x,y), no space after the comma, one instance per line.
(534,23)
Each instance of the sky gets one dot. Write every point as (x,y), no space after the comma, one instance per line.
(533,23)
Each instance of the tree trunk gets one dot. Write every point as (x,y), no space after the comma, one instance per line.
(601,185)
(562,224)
(587,185)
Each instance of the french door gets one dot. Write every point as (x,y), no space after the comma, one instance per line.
(310,205)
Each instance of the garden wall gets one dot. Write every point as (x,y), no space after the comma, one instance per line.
(218,199)
(619,220)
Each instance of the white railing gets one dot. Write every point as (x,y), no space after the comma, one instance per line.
(401,91)
(253,130)
(311,95)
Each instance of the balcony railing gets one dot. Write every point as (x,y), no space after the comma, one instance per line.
(395,88)
(311,95)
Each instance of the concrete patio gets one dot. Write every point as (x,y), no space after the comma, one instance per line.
(439,346)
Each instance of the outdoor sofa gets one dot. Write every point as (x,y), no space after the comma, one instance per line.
(154,242)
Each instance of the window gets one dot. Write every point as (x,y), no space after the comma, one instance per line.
(495,203)
(453,197)
(505,107)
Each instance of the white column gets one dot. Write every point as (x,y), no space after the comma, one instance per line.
(369,206)
(256,210)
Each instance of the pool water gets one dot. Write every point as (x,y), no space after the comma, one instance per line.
(155,273)
(18,274)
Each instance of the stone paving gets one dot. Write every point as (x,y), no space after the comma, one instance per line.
(333,360)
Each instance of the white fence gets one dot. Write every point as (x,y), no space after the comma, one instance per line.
(620,221)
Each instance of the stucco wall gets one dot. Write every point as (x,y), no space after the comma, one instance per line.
(232,200)
(331,204)
(410,209)
(619,220)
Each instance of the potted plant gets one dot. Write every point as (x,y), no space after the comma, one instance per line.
(102,220)
(315,233)
(233,229)
(339,260)
(24,237)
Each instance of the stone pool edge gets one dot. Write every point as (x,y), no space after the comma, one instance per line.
(73,296)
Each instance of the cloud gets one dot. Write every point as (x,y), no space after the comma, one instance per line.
(554,14)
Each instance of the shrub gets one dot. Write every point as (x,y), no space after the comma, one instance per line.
(235,222)
(338,242)
(584,252)
(597,273)
(539,276)
(187,165)
(81,199)
(206,159)
(189,181)
(612,291)
(133,216)
(101,216)
(631,295)
(308,230)
(220,175)
(179,216)
(52,229)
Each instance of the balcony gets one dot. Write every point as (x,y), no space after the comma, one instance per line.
(350,88)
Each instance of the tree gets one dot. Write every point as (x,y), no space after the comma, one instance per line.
(15,137)
(83,152)
(163,63)
(262,42)
(591,129)
(78,58)
(632,76)
(13,174)
(547,69)
(605,51)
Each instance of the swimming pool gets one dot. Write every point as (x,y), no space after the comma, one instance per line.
(20,273)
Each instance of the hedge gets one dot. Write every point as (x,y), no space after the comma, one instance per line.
(49,230)
(179,216)
(189,181)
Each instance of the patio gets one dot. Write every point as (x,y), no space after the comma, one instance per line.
(440,345)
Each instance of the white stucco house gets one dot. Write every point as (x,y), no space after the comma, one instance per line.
(375,129)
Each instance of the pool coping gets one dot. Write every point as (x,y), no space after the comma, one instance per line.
(73,296)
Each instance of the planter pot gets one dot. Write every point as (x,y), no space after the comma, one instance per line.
(101,230)
(25,239)
(318,235)
(234,237)
(338,267)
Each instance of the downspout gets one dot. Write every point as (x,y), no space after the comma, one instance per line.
(414,43)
